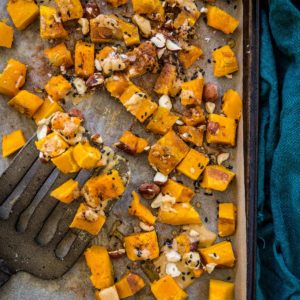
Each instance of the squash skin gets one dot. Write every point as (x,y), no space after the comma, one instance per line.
(220,290)
(6,35)
(177,190)
(191,91)
(189,56)
(226,219)
(66,192)
(70,9)
(46,110)
(12,142)
(84,59)
(58,87)
(14,71)
(59,55)
(22,12)
(232,104)
(99,263)
(86,156)
(129,285)
(65,162)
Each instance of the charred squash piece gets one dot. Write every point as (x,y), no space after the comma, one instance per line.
(194,116)
(165,82)
(129,285)
(132,144)
(84,59)
(70,9)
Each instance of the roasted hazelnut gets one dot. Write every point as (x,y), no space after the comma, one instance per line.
(74,112)
(94,80)
(91,9)
(149,190)
(117,253)
(210,92)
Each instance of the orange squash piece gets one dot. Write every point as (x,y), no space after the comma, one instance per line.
(189,55)
(131,143)
(194,116)
(232,104)
(191,91)
(65,162)
(220,290)
(69,9)
(177,190)
(66,192)
(129,285)
(84,59)
(117,84)
(226,219)
(59,55)
(6,35)
(48,108)
(86,156)
(58,87)
(164,84)
(191,134)
(12,142)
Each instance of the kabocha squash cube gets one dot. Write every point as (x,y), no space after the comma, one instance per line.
(12,78)
(66,192)
(183,243)
(149,7)
(189,55)
(220,254)
(130,33)
(129,285)
(191,134)
(142,246)
(194,116)
(6,35)
(109,293)
(26,103)
(227,219)
(167,153)
(225,61)
(99,263)
(59,56)
(103,187)
(65,162)
(86,156)
(193,164)
(48,108)
(191,91)
(177,190)
(221,20)
(232,104)
(117,84)
(180,214)
(132,144)
(166,288)
(139,210)
(22,12)
(58,87)
(50,28)
(70,9)
(84,59)
(12,142)
(138,103)
(83,222)
(51,145)
(164,84)
(220,290)
(104,52)
(116,3)
(221,130)
(186,18)
(216,178)
(105,29)
(162,121)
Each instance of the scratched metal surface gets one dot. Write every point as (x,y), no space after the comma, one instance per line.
(107,117)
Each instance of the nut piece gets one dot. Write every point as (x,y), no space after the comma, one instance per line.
(172,46)
(80,86)
(85,26)
(172,270)
(75,112)
(146,227)
(96,138)
(143,24)
(210,107)
(149,190)
(210,92)
(160,179)
(222,157)
(94,80)
(165,101)
(173,256)
(158,40)
(117,253)
(91,10)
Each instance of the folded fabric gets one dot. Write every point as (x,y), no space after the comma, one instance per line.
(278,220)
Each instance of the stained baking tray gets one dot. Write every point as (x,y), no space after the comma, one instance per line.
(105,115)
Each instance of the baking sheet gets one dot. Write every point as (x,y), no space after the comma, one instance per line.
(106,116)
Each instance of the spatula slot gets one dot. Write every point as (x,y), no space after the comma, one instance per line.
(65,245)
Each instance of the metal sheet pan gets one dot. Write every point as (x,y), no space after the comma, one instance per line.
(105,115)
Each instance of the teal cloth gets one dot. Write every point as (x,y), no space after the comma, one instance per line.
(278,221)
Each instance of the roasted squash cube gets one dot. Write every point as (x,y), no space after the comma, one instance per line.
(166,288)
(26,103)
(132,144)
(139,210)
(165,82)
(105,29)
(167,153)
(216,178)
(191,134)
(232,104)
(191,91)
(221,20)
(117,84)
(194,116)
(193,164)
(162,121)
(51,145)
(189,55)
(99,263)
(225,61)
(220,290)
(138,103)
(180,214)
(221,130)
(129,285)
(6,35)
(142,246)
(12,78)
(177,190)
(83,222)
(116,3)
(59,56)
(70,9)
(86,156)
(48,108)
(50,28)
(227,219)
(22,12)
(183,243)
(12,142)
(58,87)
(84,59)
(65,162)
(109,293)
(66,192)
(185,18)
(130,33)
(149,7)
(220,254)
(104,52)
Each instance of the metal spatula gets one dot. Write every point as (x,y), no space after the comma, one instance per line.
(34,228)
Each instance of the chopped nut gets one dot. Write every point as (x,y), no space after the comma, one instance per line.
(158,40)
(96,138)
(172,46)
(80,86)
(179,122)
(42,131)
(149,190)
(146,227)
(222,157)
(210,92)
(75,112)
(172,270)
(160,52)
(173,256)
(210,107)
(160,179)
(117,253)
(210,267)
(165,101)
(85,27)
(143,24)
(91,9)
(94,80)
